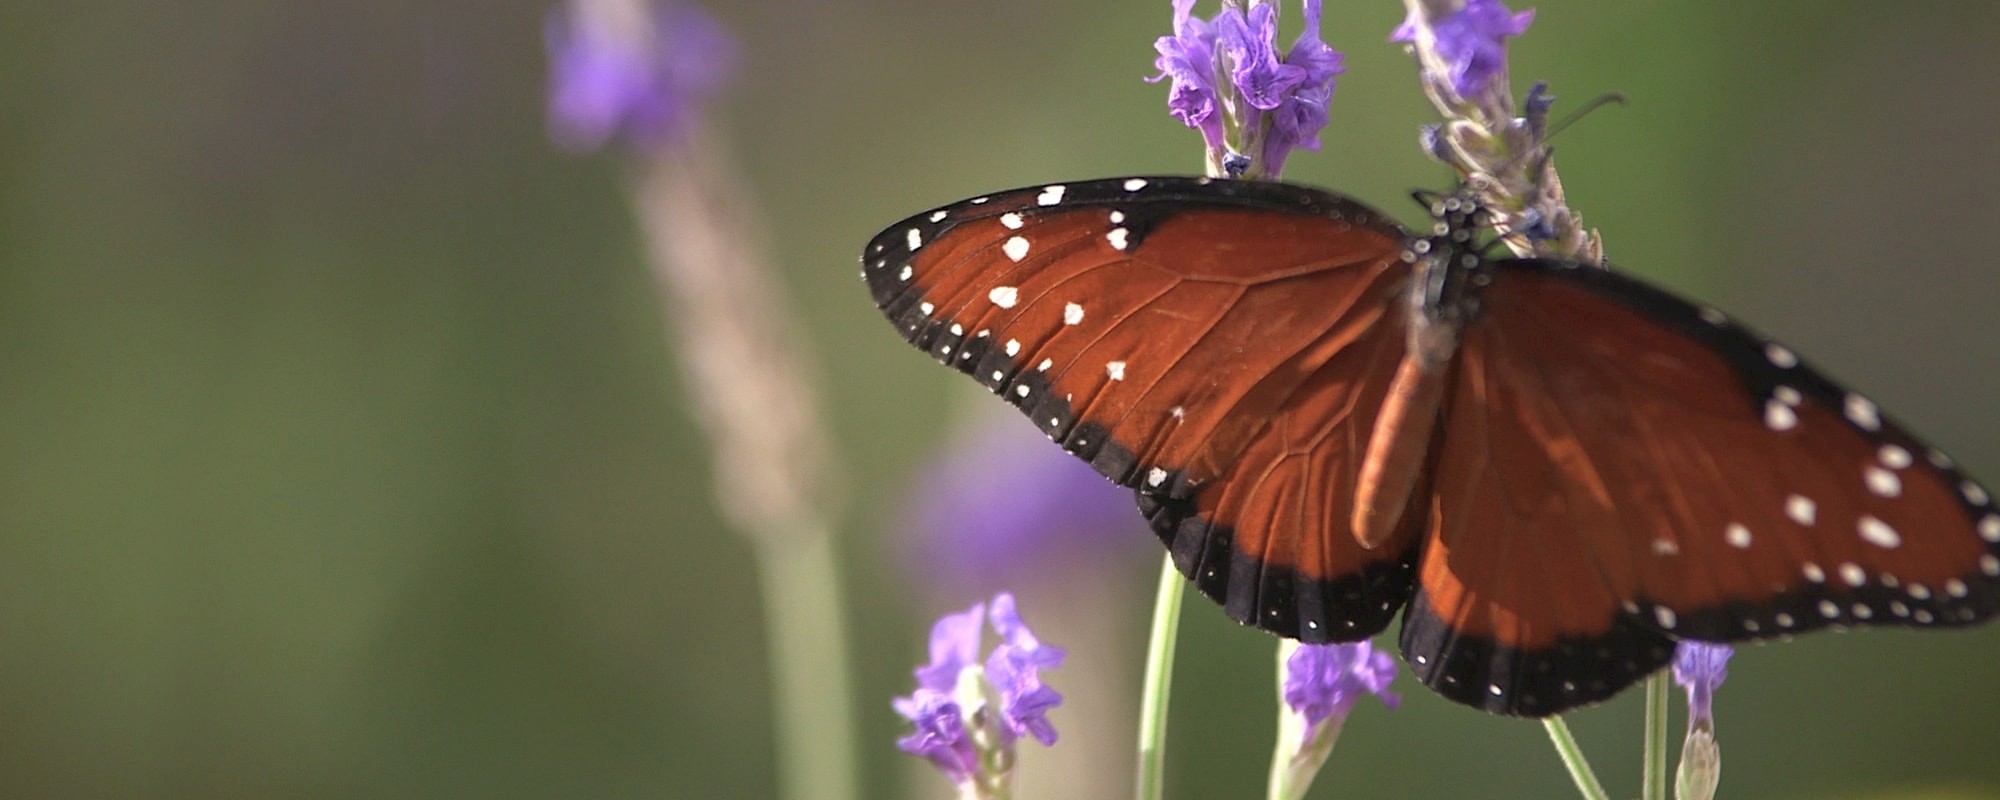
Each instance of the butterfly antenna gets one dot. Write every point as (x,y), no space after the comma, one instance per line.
(1600,101)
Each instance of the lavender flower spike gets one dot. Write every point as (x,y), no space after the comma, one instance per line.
(631,71)
(1700,668)
(1252,105)
(1461,53)
(1320,684)
(1467,45)
(967,715)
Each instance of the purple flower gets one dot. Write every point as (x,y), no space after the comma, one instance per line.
(1269,104)
(1015,669)
(1700,668)
(1471,40)
(1259,75)
(953,708)
(1188,58)
(1297,122)
(940,737)
(1004,507)
(954,646)
(1324,681)
(637,79)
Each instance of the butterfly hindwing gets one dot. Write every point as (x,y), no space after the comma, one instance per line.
(1659,472)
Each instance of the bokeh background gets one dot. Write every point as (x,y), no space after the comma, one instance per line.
(341,454)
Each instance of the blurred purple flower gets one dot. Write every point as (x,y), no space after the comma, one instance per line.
(1002,506)
(954,646)
(940,735)
(1271,103)
(953,706)
(636,79)
(1015,669)
(1471,40)
(1324,681)
(1700,668)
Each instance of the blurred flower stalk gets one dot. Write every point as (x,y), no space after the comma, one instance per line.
(635,75)
(1461,53)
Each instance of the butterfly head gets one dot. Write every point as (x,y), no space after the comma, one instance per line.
(1450,266)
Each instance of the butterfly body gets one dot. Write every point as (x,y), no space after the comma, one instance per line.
(1554,471)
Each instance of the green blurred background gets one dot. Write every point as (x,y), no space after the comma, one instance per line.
(341,454)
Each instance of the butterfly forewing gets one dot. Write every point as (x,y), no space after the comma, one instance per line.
(1222,348)
(1655,470)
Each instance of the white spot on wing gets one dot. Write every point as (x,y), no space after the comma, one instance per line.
(1989,528)
(915,238)
(1135,184)
(1813,573)
(1878,533)
(1156,477)
(1004,296)
(1882,482)
(1853,574)
(1737,536)
(1800,509)
(1016,248)
(1072,314)
(907,272)
(1117,217)
(1787,395)
(1989,564)
(937,216)
(1050,195)
(1117,238)
(926,308)
(1780,357)
(1862,412)
(1893,457)
(1779,417)
(1116,370)
(1665,616)
(1021,390)
(1044,366)
(1973,493)
(1665,547)
(1713,317)
(1013,347)
(1011,220)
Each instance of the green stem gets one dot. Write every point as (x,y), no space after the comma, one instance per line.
(1572,757)
(1655,777)
(1159,681)
(807,646)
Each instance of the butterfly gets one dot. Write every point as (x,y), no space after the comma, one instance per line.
(1552,470)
